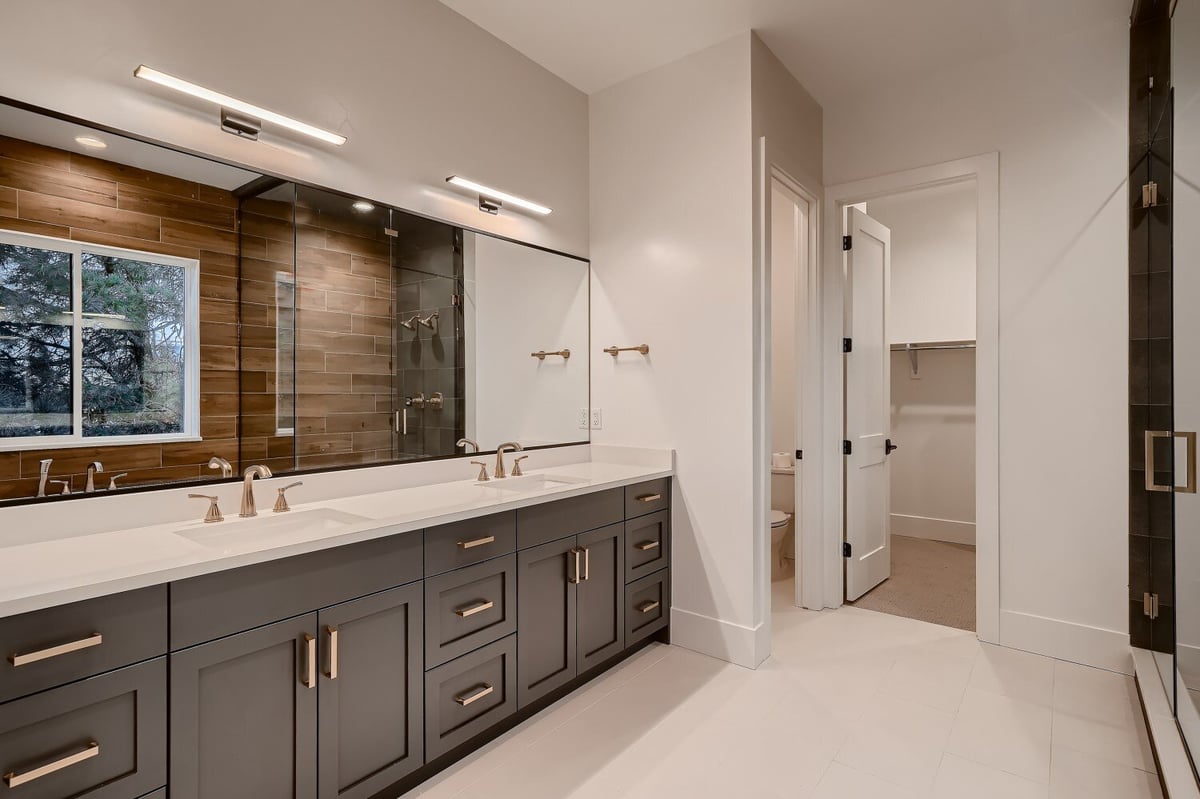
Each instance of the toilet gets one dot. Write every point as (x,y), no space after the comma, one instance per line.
(783,512)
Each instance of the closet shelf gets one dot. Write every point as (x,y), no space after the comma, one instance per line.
(913,347)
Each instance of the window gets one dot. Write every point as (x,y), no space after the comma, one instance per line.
(98,345)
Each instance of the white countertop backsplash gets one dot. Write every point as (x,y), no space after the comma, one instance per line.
(60,552)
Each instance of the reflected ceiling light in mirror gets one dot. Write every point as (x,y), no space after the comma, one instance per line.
(238,116)
(362,206)
(490,199)
(91,142)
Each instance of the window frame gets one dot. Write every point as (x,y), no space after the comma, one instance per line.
(191,345)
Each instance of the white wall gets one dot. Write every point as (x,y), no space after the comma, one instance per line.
(933,262)
(421,93)
(671,267)
(521,300)
(1057,115)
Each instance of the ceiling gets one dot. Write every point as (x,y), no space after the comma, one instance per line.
(834,47)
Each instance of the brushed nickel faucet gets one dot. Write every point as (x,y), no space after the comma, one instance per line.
(112,481)
(466,442)
(251,472)
(216,462)
(44,476)
(93,467)
(508,446)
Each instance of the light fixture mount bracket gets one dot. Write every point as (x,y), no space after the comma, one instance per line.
(489,206)
(239,124)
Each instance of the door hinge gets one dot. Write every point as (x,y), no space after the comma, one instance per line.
(1150,195)
(847,448)
(1150,605)
(799,454)
(847,242)
(456,300)
(846,549)
(847,345)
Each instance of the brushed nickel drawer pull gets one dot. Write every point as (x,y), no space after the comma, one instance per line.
(13,779)
(574,552)
(646,607)
(478,542)
(646,546)
(649,498)
(587,563)
(473,609)
(95,639)
(310,646)
(333,652)
(468,698)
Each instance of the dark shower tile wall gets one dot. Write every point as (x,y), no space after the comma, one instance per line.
(1151,524)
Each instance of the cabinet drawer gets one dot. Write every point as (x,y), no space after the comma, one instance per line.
(452,546)
(647,497)
(214,605)
(467,696)
(540,524)
(51,647)
(101,738)
(647,545)
(647,606)
(470,607)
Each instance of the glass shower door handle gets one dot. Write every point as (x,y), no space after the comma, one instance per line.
(1190,439)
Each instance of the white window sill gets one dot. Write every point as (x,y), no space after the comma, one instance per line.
(28,444)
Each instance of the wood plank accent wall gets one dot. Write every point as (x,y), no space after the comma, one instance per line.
(71,196)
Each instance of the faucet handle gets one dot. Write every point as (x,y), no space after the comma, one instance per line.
(214,512)
(281,503)
(112,481)
(483,475)
(516,469)
(66,484)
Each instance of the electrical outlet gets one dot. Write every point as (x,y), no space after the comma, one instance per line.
(597,418)
(582,419)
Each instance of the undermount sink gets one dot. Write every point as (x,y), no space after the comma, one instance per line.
(260,531)
(531,482)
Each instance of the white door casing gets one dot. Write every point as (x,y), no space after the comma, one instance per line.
(868,404)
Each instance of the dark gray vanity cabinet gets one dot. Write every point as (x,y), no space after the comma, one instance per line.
(244,715)
(370,693)
(600,608)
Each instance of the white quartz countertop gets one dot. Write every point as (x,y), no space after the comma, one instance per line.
(68,568)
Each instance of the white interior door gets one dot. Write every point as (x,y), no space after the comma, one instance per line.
(868,404)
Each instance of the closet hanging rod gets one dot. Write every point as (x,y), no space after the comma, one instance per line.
(933,345)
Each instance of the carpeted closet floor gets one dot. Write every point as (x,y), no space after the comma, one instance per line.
(931,580)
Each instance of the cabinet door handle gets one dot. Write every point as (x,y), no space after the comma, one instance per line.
(13,779)
(478,542)
(310,668)
(587,563)
(469,697)
(473,609)
(95,639)
(649,498)
(575,577)
(333,652)
(646,607)
(645,546)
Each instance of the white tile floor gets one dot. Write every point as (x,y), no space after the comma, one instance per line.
(851,704)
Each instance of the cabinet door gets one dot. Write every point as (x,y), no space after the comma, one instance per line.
(546,623)
(601,596)
(244,715)
(370,693)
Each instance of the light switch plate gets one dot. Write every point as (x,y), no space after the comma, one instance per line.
(597,418)
(582,419)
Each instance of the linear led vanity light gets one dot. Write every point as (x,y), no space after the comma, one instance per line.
(228,103)
(488,193)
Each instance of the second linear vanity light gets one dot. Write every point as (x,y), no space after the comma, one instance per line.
(492,200)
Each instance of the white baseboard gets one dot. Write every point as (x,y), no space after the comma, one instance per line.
(1078,643)
(716,638)
(933,529)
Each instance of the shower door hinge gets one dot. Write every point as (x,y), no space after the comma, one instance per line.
(847,448)
(456,300)
(847,345)
(1150,605)
(846,549)
(847,242)
(1150,195)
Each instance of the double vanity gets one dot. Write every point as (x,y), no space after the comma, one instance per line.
(350,647)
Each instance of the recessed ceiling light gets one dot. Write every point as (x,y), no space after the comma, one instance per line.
(488,193)
(91,142)
(362,206)
(233,104)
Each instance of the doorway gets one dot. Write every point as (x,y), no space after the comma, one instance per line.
(910,403)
